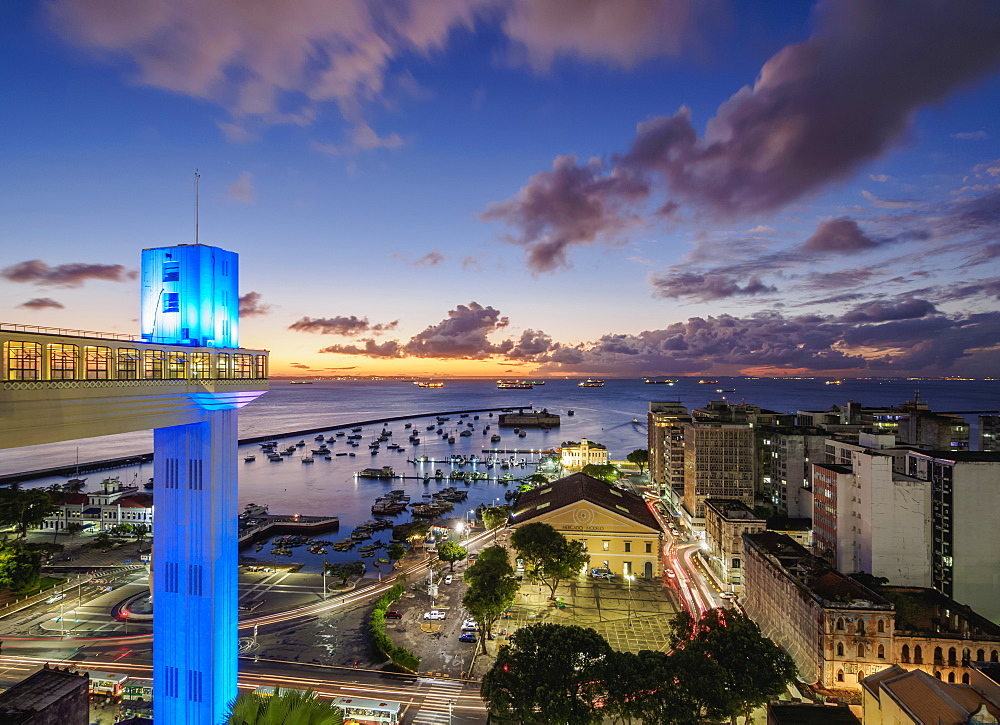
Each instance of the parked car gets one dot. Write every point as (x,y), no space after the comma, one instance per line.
(448,579)
(473,557)
(728,595)
(434,614)
(467,637)
(393,614)
(469,625)
(602,574)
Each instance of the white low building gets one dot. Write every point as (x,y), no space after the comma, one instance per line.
(102,510)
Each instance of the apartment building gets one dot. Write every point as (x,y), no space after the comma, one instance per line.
(725,523)
(792,451)
(965,498)
(719,462)
(665,441)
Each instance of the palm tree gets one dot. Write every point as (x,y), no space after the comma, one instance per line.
(289,707)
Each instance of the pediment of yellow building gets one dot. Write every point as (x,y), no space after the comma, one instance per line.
(586,516)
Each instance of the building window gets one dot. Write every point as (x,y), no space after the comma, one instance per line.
(225,363)
(201,365)
(881,626)
(951,677)
(63,360)
(98,362)
(243,366)
(260,362)
(627,568)
(881,652)
(171,302)
(840,624)
(126,363)
(23,360)
(607,545)
(980,655)
(176,362)
(628,547)
(840,675)
(171,271)
(905,654)
(965,678)
(735,564)
(153,364)
(583,543)
(861,627)
(649,547)
(918,655)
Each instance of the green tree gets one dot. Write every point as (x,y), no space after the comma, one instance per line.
(495,516)
(492,588)
(640,457)
(450,552)
(25,508)
(140,532)
(411,530)
(288,708)
(73,528)
(395,552)
(606,472)
(120,531)
(19,568)
(103,541)
(549,557)
(549,673)
(681,627)
(344,570)
(755,669)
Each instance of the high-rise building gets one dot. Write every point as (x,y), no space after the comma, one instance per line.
(965,496)
(792,451)
(719,462)
(989,433)
(665,440)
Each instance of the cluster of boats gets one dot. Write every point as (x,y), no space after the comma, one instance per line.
(391,504)
(363,532)
(439,503)
(283,545)
(276,454)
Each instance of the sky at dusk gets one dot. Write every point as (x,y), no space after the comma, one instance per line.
(520,187)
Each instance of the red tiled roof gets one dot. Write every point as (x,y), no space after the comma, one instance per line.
(579,487)
(132,502)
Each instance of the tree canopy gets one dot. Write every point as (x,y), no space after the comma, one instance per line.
(344,570)
(25,508)
(549,556)
(495,516)
(549,673)
(602,471)
(640,457)
(491,589)
(19,567)
(451,552)
(289,707)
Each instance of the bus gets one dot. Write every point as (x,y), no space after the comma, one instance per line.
(359,711)
(107,684)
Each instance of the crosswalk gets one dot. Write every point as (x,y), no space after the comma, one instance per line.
(440,702)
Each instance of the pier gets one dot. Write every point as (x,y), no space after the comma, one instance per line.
(294,524)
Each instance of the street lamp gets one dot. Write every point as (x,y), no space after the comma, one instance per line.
(324,580)
(451,708)
(629,577)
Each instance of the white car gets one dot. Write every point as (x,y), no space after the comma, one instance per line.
(728,595)
(469,625)
(447,579)
(670,573)
(434,614)
(55,598)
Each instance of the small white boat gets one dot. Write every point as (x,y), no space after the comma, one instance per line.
(307,459)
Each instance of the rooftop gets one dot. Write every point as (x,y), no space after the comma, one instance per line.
(929,699)
(795,714)
(731,509)
(579,487)
(41,689)
(816,575)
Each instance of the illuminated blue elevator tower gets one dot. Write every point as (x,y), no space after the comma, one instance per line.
(190,300)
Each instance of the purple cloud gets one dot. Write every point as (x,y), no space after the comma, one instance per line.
(251,306)
(387,349)
(839,236)
(880,311)
(41,303)
(705,287)
(35,271)
(346,326)
(463,334)
(431,259)
(567,206)
(816,114)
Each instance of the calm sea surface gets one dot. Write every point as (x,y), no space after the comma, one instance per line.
(605,415)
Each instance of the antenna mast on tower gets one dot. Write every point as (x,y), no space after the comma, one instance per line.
(197,176)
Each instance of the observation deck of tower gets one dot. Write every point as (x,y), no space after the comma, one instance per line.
(185,377)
